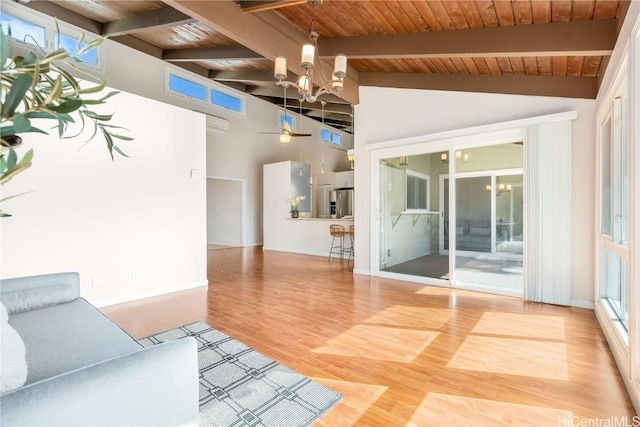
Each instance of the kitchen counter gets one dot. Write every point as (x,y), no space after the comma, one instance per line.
(301,235)
(321,219)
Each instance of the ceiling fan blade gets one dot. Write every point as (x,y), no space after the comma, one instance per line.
(301,134)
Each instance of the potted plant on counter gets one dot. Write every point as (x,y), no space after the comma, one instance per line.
(294,203)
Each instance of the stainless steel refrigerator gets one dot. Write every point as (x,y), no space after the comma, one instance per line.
(344,202)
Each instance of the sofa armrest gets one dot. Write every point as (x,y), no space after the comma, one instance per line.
(27,293)
(154,386)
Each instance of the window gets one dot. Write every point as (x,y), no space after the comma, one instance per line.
(614,206)
(332,137)
(73,44)
(226,101)
(187,87)
(289,120)
(22,30)
(417,191)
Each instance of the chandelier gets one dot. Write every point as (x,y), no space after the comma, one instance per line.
(304,84)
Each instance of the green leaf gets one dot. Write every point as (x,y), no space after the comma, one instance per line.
(67,106)
(30,59)
(5,177)
(12,159)
(41,115)
(96,116)
(4,50)
(21,123)
(95,89)
(28,156)
(122,137)
(119,151)
(18,90)
(7,130)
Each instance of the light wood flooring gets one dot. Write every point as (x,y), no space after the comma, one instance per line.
(402,353)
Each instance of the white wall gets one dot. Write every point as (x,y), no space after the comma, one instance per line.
(106,218)
(421,112)
(407,237)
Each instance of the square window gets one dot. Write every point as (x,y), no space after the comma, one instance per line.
(72,45)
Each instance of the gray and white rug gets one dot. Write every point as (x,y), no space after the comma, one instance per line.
(241,387)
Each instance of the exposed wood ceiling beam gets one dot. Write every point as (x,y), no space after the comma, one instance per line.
(225,17)
(209,53)
(160,18)
(65,15)
(139,45)
(575,38)
(244,76)
(260,6)
(561,86)
(330,107)
(277,92)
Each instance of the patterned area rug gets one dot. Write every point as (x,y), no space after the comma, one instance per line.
(241,387)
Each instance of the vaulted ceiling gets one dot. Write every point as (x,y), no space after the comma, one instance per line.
(533,47)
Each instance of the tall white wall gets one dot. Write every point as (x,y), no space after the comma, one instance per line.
(388,114)
(106,219)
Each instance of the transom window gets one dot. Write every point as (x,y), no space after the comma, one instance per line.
(332,137)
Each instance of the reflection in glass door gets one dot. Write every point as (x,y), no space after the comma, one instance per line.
(489,219)
(410,219)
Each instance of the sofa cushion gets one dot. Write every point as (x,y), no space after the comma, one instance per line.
(28,293)
(68,336)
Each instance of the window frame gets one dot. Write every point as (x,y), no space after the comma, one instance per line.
(418,176)
(51,37)
(331,137)
(241,100)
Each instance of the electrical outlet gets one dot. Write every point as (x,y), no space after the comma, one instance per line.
(96,281)
(135,274)
(388,252)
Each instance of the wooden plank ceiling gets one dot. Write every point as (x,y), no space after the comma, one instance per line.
(533,47)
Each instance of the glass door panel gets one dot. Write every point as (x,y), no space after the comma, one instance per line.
(489,218)
(410,223)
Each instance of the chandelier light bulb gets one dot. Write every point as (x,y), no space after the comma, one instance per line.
(308,52)
(304,83)
(280,72)
(340,66)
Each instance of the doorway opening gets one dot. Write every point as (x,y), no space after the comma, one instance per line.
(225,212)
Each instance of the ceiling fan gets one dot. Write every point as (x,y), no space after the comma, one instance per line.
(286,133)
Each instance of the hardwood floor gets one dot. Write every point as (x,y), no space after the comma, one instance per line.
(402,353)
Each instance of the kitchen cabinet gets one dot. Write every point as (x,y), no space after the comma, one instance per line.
(344,179)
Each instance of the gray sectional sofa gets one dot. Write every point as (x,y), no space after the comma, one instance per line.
(82,369)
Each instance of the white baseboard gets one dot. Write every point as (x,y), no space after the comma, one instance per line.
(362,271)
(149,294)
(581,303)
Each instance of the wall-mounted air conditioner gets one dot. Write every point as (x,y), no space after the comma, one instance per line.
(217,123)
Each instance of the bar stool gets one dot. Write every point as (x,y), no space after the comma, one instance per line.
(336,230)
(350,250)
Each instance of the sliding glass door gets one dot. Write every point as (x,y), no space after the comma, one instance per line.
(483,222)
